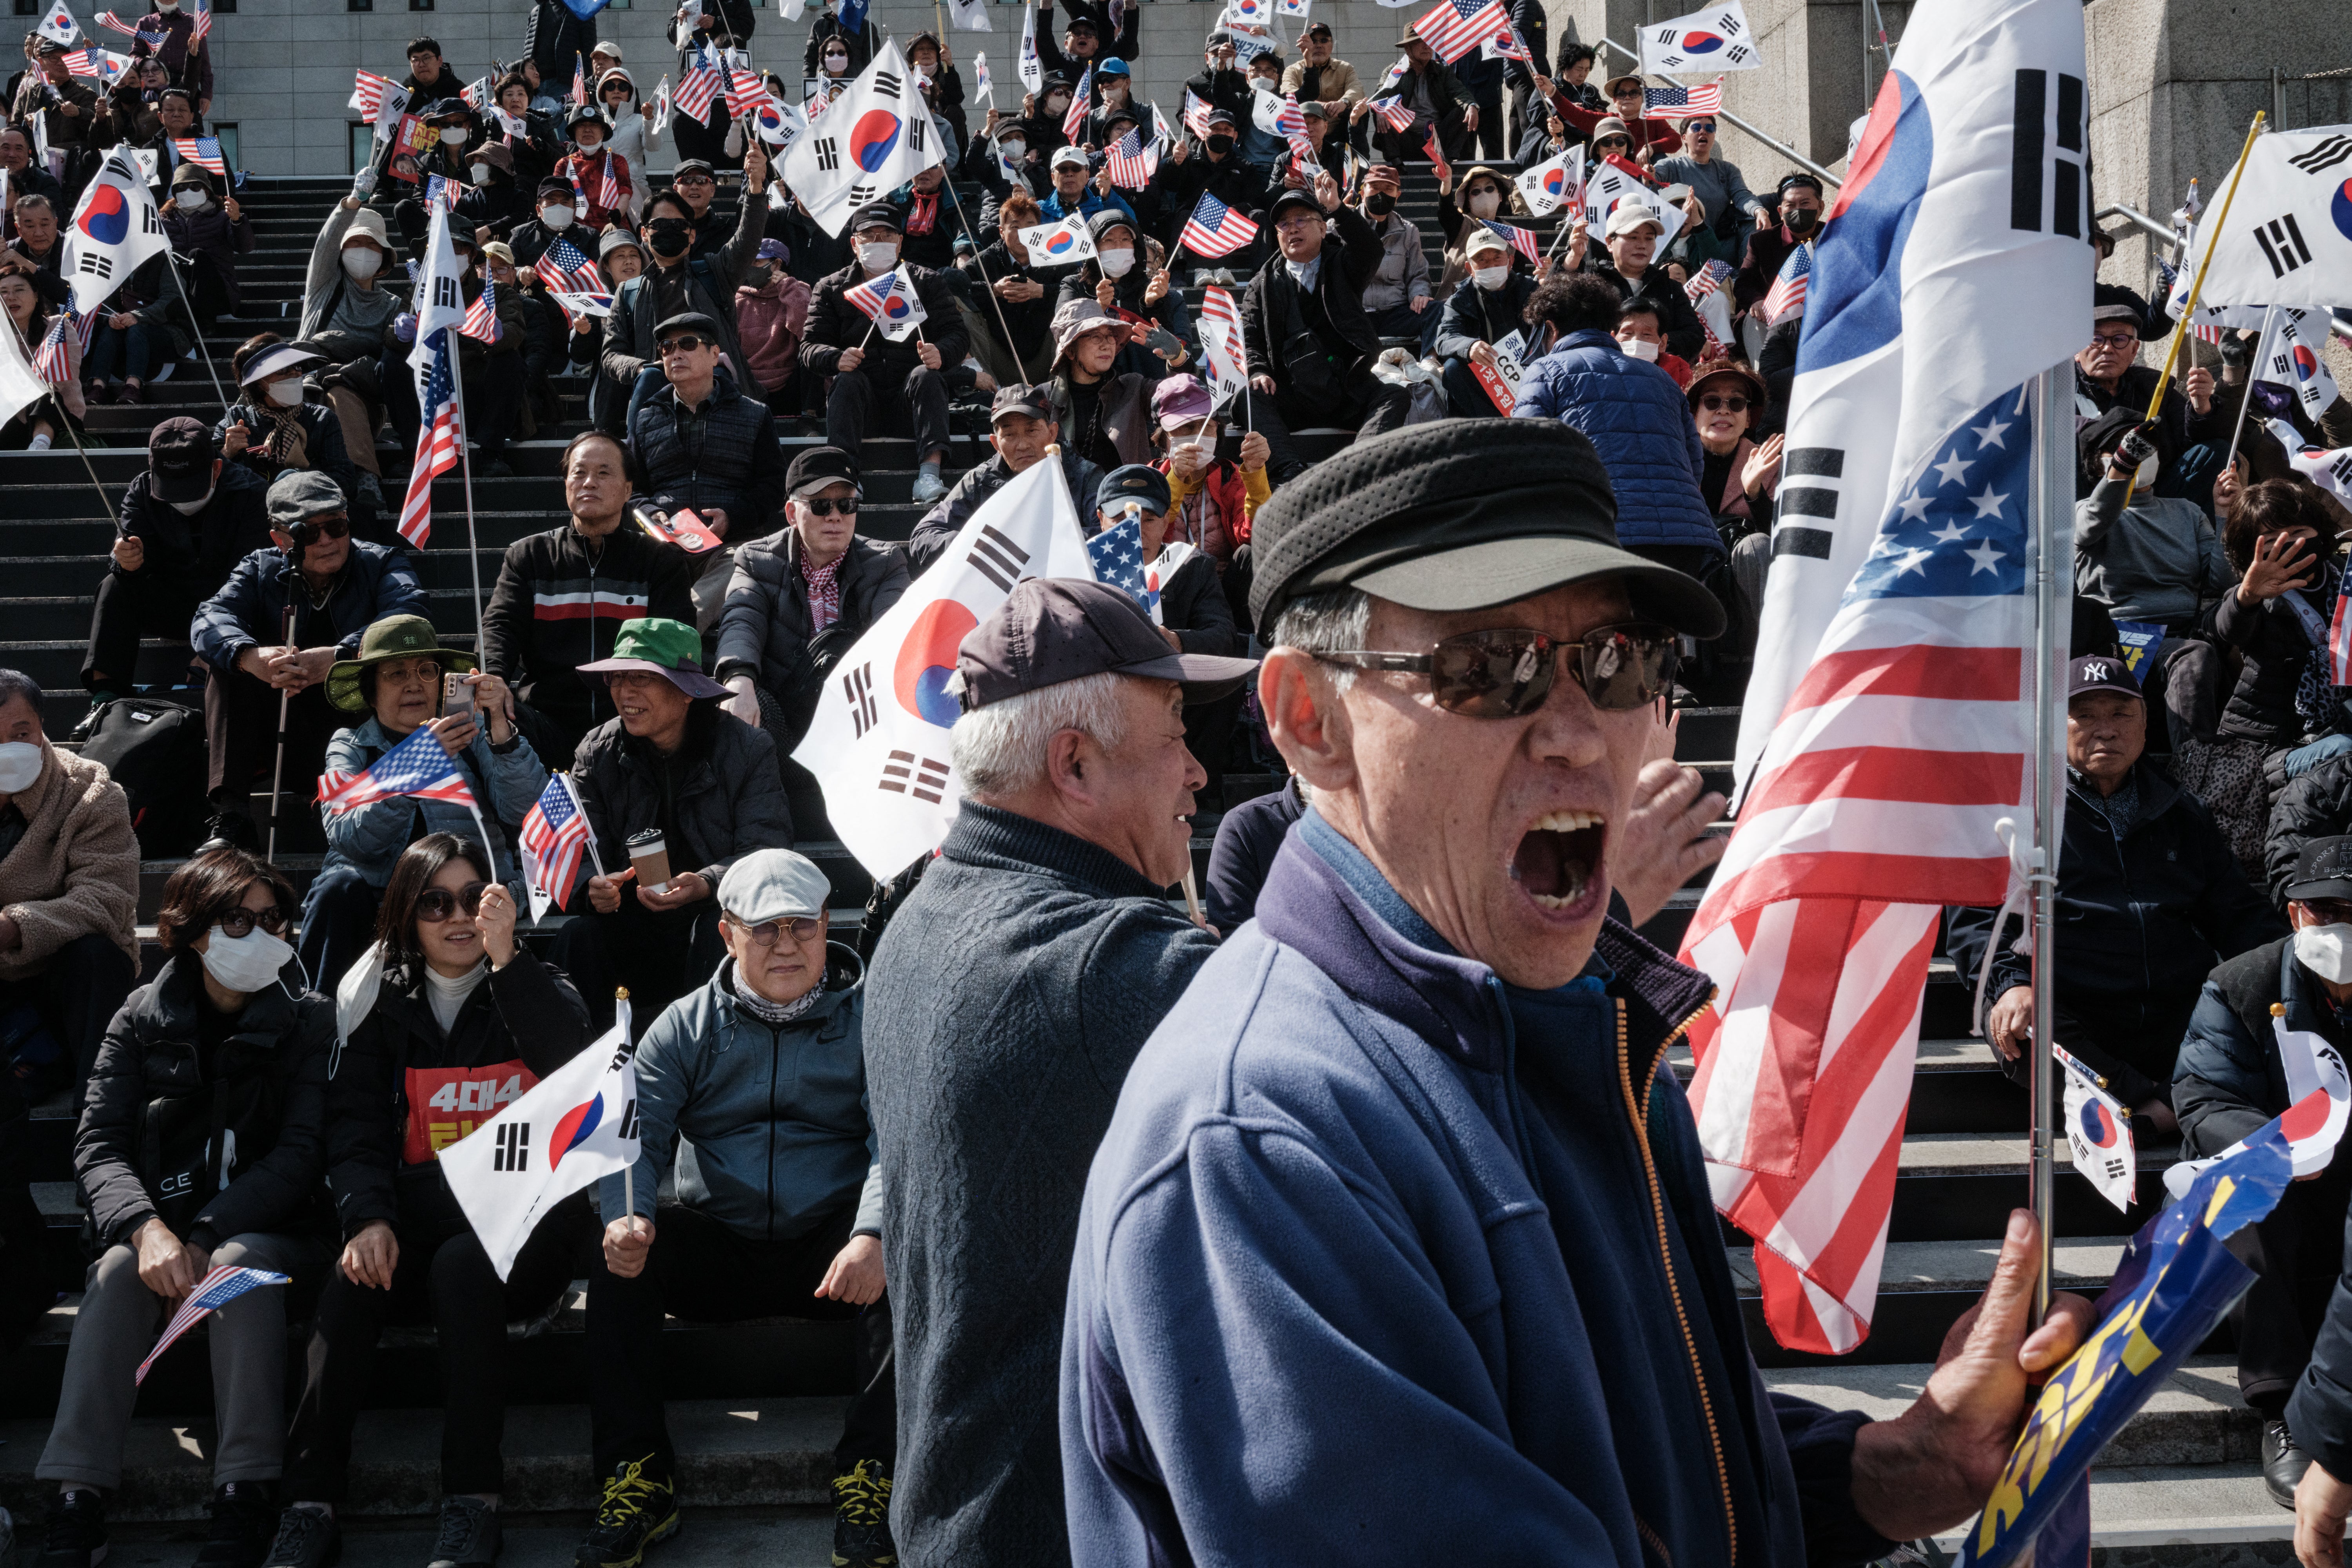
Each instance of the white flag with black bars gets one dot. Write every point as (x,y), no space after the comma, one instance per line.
(2288,240)
(1715,40)
(2098,1133)
(1029,68)
(874,139)
(440,298)
(2330,470)
(878,742)
(2293,355)
(968,16)
(115,230)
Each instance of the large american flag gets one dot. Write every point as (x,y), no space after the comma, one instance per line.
(1677,102)
(481,322)
(416,766)
(698,88)
(1787,295)
(1458,27)
(1133,163)
(554,836)
(1214,229)
(1073,119)
(437,444)
(204,151)
(225,1283)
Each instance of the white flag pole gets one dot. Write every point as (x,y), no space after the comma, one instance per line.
(465,467)
(2053,537)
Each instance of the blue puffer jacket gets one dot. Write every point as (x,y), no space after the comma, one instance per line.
(1637,420)
(250,607)
(768,1122)
(370,839)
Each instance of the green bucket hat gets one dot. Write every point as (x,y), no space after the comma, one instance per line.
(666,647)
(394,637)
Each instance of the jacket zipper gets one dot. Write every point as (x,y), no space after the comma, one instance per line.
(775,1046)
(1637,1108)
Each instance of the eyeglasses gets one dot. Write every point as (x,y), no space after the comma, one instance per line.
(2331,911)
(694,180)
(1508,673)
(2113,340)
(1713,401)
(240,921)
(1296,223)
(685,345)
(824,506)
(436,904)
(800,928)
(306,534)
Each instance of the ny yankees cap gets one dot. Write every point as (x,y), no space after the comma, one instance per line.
(2099,672)
(1053,630)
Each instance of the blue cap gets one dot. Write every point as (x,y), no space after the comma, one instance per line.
(1113,67)
(1135,481)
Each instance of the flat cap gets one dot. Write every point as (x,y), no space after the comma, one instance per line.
(818,467)
(686,322)
(773,885)
(1057,629)
(876,215)
(1459,514)
(301,494)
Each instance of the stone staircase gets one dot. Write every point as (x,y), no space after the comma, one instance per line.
(757,1403)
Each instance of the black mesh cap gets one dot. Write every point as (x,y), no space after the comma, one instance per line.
(1459,514)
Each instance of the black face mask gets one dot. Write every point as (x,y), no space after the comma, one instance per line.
(1801,219)
(668,237)
(1220,145)
(1379,205)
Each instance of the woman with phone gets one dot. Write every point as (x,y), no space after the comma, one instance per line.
(1119,279)
(410,682)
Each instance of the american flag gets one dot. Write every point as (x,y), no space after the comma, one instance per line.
(608,189)
(554,837)
(1710,277)
(579,80)
(204,151)
(1458,27)
(441,191)
(1786,296)
(1677,102)
(437,444)
(367,94)
(1214,229)
(150,29)
(1117,556)
(1132,163)
(1195,114)
(1221,340)
(202,24)
(566,270)
(745,91)
(84,61)
(50,360)
(481,322)
(698,89)
(218,1287)
(1073,119)
(1872,806)
(1521,240)
(416,766)
(891,300)
(1393,114)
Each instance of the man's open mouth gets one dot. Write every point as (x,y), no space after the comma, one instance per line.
(1558,856)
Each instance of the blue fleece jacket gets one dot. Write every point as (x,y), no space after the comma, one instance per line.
(1638,420)
(1375,1246)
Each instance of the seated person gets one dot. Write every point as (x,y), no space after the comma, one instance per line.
(451,1000)
(2108,376)
(69,899)
(1639,336)
(57,419)
(141,332)
(2151,898)
(2228,1081)
(1023,423)
(1304,334)
(561,597)
(770,313)
(1133,294)
(184,527)
(1077,191)
(211,229)
(685,275)
(700,441)
(1738,479)
(278,624)
(871,380)
(620,256)
(349,315)
(1212,166)
(1397,298)
(1025,291)
(1212,499)
(555,215)
(675,763)
(397,672)
(1487,308)
(1629,260)
(203,1139)
(1193,613)
(1248,838)
(272,429)
(1107,414)
(799,600)
(593,169)
(779,1202)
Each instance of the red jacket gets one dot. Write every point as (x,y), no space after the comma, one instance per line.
(768,323)
(1215,518)
(1658,135)
(588,174)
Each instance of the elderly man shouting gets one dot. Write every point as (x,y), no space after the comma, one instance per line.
(1402,1234)
(1007,997)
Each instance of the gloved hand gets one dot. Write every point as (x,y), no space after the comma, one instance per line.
(2135,448)
(2237,348)
(403,327)
(363,181)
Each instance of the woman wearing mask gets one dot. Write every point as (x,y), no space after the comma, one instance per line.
(932,58)
(1487,199)
(595,170)
(202,1142)
(39,426)
(635,140)
(445,1010)
(1117,280)
(1212,499)
(1001,133)
(770,309)
(214,231)
(272,429)
(829,36)
(131,107)
(620,256)
(1639,337)
(1040,128)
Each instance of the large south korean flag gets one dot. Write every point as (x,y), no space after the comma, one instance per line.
(874,139)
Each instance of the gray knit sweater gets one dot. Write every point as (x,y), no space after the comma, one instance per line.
(1004,1006)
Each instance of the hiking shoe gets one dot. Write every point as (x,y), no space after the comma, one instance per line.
(928,487)
(75,1530)
(469,1534)
(244,1521)
(100,701)
(861,1518)
(231,826)
(306,1539)
(638,1509)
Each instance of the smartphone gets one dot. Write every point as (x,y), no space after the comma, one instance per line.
(457,696)
(1229,447)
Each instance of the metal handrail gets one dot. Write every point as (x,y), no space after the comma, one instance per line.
(2337,319)
(1726,115)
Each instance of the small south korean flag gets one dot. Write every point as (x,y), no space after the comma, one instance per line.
(58,26)
(1715,40)
(2098,1132)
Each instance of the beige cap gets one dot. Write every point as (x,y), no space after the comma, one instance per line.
(1631,215)
(368,224)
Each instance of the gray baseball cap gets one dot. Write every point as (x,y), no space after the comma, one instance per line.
(773,885)
(1054,629)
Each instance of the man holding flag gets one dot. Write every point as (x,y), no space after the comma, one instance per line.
(876,380)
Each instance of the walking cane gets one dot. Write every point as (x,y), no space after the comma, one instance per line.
(277,769)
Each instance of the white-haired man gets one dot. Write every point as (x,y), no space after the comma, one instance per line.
(1004,1002)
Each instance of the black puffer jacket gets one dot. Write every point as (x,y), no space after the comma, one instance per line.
(527,1011)
(1278,335)
(2275,650)
(717,798)
(722,455)
(764,632)
(833,324)
(2317,806)
(214,1148)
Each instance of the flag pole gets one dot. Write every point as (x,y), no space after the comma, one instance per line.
(466,461)
(170,264)
(2253,373)
(2053,532)
(980,267)
(2197,285)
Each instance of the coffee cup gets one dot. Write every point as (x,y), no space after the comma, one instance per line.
(649,856)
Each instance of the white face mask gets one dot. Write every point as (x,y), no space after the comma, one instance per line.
(1640,349)
(878,255)
(452,136)
(1013,147)
(188,199)
(1491,276)
(246,962)
(20,764)
(167,7)
(189,508)
(836,64)
(558,216)
(478,172)
(1486,203)
(2325,950)
(1115,262)
(287,394)
(361,264)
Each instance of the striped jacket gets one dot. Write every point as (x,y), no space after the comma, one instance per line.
(558,606)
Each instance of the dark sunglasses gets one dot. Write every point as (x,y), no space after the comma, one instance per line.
(824,507)
(2332,911)
(1698,125)
(1714,401)
(686,345)
(1508,673)
(800,928)
(694,180)
(240,921)
(308,534)
(436,904)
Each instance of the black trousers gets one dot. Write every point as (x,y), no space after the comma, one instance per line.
(1466,396)
(860,400)
(707,143)
(2297,1254)
(658,954)
(442,1277)
(1363,400)
(134,605)
(701,1270)
(77,995)
(241,735)
(28,1286)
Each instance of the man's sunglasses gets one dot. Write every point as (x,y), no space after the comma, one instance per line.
(686,345)
(436,904)
(307,534)
(1715,400)
(240,921)
(825,507)
(800,928)
(694,180)
(1508,673)
(1695,126)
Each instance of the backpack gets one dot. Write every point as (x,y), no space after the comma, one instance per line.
(155,750)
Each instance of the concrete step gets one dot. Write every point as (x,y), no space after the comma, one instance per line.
(710,1536)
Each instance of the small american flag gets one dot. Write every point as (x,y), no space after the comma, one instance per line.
(1788,293)
(566,270)
(1711,276)
(51,360)
(367,94)
(436,446)
(608,189)
(891,300)
(85,62)
(1458,27)
(554,837)
(1073,119)
(1393,114)
(416,766)
(1132,163)
(1195,114)
(698,89)
(1214,229)
(109,19)
(745,92)
(223,1285)
(441,191)
(1221,338)
(1678,102)
(204,151)
(481,322)
(1521,240)
(579,80)
(202,24)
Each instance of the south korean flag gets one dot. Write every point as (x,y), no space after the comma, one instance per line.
(2098,1133)
(1715,39)
(2292,355)
(114,230)
(874,139)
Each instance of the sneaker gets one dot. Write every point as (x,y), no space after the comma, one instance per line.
(306,1539)
(638,1509)
(928,487)
(244,1521)
(861,1518)
(74,1533)
(469,1534)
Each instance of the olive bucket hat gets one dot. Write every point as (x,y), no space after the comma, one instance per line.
(394,637)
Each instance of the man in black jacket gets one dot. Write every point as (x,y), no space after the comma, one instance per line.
(874,377)
(1437,98)
(2150,896)
(699,442)
(1220,83)
(1023,423)
(1214,167)
(1485,309)
(1631,263)
(1308,342)
(678,279)
(561,596)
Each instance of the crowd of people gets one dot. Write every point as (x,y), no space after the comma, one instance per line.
(1097,1277)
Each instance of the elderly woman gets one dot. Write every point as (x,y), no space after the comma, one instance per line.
(398,674)
(38,426)
(1117,280)
(634,135)
(202,1141)
(1107,417)
(449,1020)
(1212,499)
(211,227)
(272,430)
(1738,477)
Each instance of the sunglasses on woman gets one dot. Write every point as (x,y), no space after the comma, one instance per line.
(1508,673)
(800,928)
(436,904)
(1735,404)
(240,921)
(825,507)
